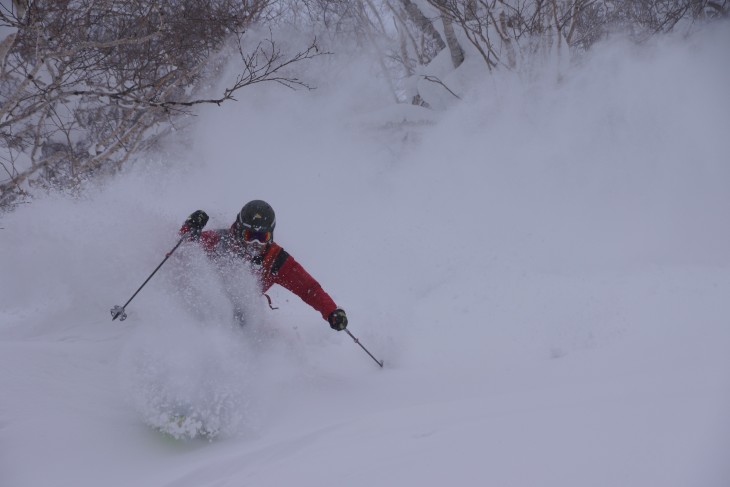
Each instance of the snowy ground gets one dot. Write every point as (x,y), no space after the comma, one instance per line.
(544,270)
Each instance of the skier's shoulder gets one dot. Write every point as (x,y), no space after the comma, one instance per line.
(279,257)
(210,238)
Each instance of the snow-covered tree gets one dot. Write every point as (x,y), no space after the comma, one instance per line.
(86,83)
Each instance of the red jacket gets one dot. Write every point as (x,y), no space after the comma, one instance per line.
(276,266)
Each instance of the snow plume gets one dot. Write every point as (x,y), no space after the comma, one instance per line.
(187,364)
(187,379)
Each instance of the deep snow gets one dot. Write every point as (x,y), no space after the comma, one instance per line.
(543,267)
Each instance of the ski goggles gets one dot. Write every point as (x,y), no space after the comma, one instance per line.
(261,236)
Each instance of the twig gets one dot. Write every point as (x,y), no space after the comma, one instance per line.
(434,79)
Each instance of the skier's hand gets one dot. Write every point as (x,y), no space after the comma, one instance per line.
(338,319)
(196,222)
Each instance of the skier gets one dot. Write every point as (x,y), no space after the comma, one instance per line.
(251,238)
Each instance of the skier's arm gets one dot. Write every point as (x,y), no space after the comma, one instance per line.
(193,227)
(293,277)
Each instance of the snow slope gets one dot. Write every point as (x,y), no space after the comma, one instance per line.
(544,270)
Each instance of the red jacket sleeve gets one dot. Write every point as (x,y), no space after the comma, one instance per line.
(208,239)
(293,277)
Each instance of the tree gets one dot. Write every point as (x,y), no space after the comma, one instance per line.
(86,83)
(505,31)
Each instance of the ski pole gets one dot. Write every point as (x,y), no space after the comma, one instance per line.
(118,311)
(379,362)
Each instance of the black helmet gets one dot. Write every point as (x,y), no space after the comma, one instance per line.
(257,215)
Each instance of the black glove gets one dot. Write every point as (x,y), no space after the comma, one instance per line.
(338,319)
(196,222)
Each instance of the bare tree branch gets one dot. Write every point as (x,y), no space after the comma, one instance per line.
(84,83)
(434,79)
